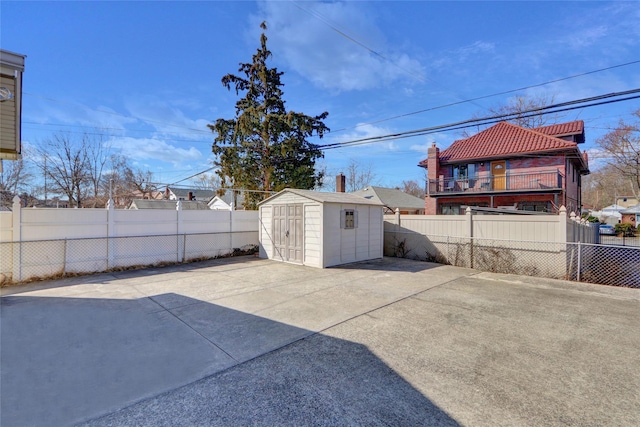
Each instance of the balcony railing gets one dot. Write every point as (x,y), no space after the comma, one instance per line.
(539,182)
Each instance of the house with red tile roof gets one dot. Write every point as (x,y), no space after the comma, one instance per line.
(508,166)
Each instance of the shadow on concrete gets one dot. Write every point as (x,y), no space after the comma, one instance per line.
(69,360)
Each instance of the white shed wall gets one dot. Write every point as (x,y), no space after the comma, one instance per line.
(325,243)
(342,246)
(264,232)
(313,235)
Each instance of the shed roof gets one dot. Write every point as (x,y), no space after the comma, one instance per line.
(326,197)
(391,197)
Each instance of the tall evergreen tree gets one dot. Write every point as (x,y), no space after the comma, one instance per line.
(265,147)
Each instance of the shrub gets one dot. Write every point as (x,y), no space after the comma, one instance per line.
(627,230)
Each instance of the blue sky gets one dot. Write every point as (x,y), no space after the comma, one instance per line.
(148,73)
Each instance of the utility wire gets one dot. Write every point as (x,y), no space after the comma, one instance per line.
(488,120)
(571,105)
(488,96)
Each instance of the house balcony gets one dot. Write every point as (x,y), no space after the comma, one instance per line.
(538,182)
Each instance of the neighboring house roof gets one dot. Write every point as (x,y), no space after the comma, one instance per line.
(183,193)
(149,195)
(505,140)
(631,210)
(563,129)
(167,204)
(391,197)
(326,197)
(613,208)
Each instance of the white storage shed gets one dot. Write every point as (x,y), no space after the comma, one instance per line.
(320,229)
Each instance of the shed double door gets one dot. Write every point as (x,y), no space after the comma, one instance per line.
(288,232)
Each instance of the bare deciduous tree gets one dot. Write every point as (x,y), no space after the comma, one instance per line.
(140,182)
(65,165)
(358,175)
(413,188)
(524,111)
(97,152)
(207,181)
(14,179)
(622,146)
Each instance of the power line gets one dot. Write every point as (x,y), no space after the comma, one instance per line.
(571,105)
(489,96)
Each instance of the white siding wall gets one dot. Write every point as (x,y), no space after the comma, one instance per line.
(362,243)
(264,236)
(332,234)
(313,235)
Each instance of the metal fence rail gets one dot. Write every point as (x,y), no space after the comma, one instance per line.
(20,261)
(601,264)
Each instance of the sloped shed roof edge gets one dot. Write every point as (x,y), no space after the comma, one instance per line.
(325,197)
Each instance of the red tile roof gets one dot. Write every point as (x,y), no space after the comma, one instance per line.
(503,140)
(563,129)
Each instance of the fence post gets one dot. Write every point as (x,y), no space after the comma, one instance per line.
(231,215)
(566,262)
(179,227)
(111,231)
(16,231)
(579,260)
(469,219)
(562,225)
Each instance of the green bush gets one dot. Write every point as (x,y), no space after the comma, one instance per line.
(589,217)
(627,230)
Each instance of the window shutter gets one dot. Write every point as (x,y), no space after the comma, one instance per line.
(342,218)
(355,219)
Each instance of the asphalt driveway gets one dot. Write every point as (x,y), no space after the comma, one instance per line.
(243,341)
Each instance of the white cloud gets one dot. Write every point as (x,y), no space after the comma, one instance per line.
(301,34)
(67,113)
(156,149)
(442,140)
(364,131)
(166,118)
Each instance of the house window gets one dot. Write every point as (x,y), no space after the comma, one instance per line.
(464,171)
(449,209)
(349,219)
(536,206)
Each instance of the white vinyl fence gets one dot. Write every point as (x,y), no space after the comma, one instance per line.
(553,246)
(52,242)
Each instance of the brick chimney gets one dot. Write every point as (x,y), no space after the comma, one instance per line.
(433,171)
(340,183)
(190,196)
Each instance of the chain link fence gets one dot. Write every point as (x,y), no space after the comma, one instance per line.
(620,240)
(23,261)
(601,264)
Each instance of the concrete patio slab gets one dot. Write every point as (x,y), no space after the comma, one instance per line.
(401,343)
